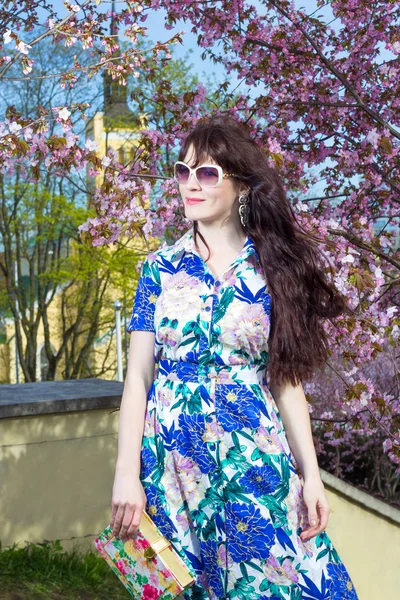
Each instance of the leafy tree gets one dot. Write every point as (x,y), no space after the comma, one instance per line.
(43,261)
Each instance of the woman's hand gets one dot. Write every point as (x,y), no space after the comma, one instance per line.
(318,507)
(128,503)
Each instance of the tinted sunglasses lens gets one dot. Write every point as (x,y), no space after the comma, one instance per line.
(181,173)
(207,176)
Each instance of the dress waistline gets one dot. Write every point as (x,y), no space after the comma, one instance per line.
(222,374)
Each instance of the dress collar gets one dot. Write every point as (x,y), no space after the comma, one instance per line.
(187,242)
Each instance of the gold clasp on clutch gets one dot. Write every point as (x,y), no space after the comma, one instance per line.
(156,547)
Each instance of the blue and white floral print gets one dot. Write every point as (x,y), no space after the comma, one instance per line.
(220,479)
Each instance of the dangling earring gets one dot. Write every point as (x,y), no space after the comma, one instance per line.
(244,209)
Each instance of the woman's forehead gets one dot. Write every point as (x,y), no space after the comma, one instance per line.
(190,157)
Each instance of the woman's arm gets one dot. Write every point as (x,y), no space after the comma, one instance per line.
(292,406)
(129,498)
(138,380)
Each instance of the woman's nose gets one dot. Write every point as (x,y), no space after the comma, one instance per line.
(192,182)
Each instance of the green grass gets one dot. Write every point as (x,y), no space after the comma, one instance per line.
(47,572)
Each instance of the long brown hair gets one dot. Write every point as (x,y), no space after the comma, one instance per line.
(301,294)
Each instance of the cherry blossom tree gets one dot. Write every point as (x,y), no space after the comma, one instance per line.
(319,90)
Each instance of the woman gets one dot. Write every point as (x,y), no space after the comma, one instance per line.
(227,467)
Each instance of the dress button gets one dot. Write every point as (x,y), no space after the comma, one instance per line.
(208,308)
(217,283)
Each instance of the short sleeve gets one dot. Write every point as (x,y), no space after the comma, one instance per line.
(147,292)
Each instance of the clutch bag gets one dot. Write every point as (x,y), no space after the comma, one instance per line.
(147,564)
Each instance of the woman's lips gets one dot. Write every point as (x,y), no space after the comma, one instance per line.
(194,200)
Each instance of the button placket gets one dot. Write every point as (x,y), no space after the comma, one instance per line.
(206,308)
(213,378)
(206,314)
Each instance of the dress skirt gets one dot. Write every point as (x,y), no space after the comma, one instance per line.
(223,486)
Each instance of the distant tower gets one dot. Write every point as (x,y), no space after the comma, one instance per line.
(116,111)
(116,126)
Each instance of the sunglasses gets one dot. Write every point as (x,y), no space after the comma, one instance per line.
(205,175)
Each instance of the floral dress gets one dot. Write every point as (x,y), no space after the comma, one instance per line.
(220,479)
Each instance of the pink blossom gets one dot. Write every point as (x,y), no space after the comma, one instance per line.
(22,47)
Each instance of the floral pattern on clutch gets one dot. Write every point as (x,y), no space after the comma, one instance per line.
(144,578)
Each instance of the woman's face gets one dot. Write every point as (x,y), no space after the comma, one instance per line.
(217,203)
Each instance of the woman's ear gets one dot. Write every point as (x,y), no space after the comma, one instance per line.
(244,191)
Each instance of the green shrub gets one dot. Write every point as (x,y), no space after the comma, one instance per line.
(46,571)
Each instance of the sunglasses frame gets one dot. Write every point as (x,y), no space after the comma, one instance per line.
(221,174)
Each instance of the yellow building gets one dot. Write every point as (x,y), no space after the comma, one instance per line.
(117,128)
